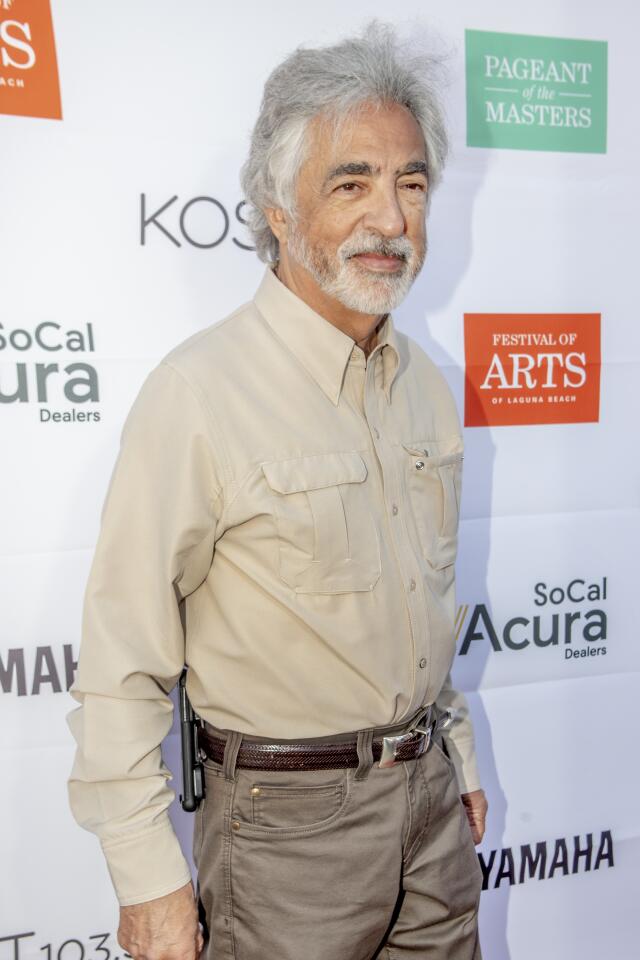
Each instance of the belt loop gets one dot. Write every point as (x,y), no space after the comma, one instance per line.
(365,754)
(231,747)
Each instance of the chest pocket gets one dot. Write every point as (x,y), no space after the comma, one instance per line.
(328,542)
(434,481)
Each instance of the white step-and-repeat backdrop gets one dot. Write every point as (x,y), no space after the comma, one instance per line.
(122,129)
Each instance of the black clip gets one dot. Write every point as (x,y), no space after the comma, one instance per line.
(192,769)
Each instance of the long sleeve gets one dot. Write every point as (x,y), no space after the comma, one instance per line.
(155,547)
(459,738)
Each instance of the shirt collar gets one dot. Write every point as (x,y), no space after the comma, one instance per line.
(321,348)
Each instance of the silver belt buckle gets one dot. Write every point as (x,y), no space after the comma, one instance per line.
(390,745)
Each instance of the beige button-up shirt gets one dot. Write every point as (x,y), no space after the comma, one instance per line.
(282,518)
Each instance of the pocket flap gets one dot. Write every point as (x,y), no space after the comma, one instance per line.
(437,453)
(315,472)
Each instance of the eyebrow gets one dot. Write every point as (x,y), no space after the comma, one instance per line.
(360,168)
(416,166)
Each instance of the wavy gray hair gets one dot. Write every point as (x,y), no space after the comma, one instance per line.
(333,81)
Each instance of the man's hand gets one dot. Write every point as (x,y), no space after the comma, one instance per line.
(165,928)
(476,806)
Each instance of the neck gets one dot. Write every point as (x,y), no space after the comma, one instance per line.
(361,327)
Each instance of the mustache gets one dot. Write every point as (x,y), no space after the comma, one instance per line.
(400,247)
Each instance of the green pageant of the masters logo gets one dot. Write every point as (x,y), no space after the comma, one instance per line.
(536,93)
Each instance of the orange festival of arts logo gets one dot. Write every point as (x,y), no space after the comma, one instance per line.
(29,84)
(531,368)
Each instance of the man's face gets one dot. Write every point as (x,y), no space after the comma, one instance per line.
(359,230)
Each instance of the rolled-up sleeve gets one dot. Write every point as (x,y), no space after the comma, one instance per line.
(155,547)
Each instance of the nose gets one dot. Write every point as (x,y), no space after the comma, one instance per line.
(384,214)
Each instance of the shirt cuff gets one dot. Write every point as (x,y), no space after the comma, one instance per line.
(463,757)
(147,865)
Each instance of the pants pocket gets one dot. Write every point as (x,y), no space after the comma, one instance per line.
(277,802)
(294,806)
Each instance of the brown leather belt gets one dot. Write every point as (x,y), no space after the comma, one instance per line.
(317,754)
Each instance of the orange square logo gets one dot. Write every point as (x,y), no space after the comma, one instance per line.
(29,84)
(524,368)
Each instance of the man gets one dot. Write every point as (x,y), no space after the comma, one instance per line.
(283,519)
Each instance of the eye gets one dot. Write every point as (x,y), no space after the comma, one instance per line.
(349,187)
(417,186)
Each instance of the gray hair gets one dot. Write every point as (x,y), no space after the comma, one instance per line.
(334,82)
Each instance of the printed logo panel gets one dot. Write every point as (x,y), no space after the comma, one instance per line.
(531,368)
(48,364)
(536,93)
(29,84)
(546,859)
(569,619)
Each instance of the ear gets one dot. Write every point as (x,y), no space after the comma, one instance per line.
(277,220)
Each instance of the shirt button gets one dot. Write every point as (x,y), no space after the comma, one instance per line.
(419,464)
(235,824)
(412,585)
(394,509)
(423,663)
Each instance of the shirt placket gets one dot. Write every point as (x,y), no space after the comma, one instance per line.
(396,507)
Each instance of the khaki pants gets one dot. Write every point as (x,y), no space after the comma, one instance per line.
(324,865)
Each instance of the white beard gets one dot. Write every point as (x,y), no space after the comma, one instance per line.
(350,282)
